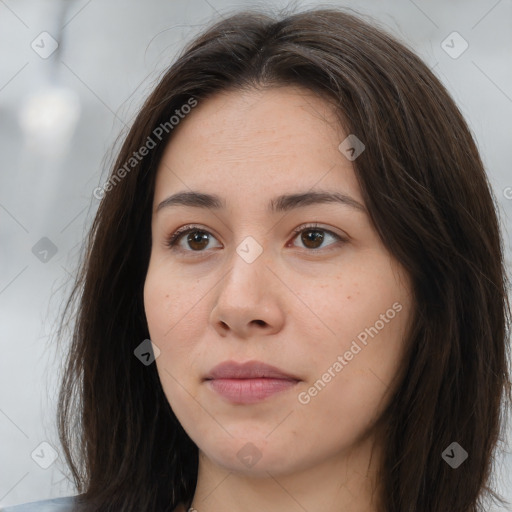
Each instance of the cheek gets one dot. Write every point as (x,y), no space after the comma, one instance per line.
(169,302)
(347,408)
(352,394)
(364,312)
(171,323)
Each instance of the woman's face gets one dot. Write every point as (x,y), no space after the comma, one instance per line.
(272,272)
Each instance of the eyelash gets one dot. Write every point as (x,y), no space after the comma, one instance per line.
(174,238)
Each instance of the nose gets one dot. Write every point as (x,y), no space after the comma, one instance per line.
(249,299)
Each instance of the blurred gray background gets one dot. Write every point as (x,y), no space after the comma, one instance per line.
(72,75)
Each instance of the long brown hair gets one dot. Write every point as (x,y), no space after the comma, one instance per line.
(428,196)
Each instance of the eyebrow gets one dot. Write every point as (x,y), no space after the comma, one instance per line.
(282,203)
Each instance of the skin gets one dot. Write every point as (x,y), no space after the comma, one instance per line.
(298,306)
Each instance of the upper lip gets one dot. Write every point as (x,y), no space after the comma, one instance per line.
(248,370)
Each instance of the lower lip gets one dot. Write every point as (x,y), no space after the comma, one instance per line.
(247,391)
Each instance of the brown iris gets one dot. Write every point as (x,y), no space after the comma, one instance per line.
(312,236)
(197,237)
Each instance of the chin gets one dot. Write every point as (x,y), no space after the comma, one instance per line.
(254,456)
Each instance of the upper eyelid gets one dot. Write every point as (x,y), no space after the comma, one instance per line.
(188,228)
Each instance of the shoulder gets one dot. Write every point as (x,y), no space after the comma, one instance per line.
(66,504)
(54,505)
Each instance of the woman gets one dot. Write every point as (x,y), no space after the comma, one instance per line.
(293,295)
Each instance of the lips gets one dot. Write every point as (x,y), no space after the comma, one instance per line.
(248,370)
(250,382)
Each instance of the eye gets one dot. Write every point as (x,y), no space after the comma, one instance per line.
(313,236)
(197,239)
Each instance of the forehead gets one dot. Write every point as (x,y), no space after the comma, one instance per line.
(257,141)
